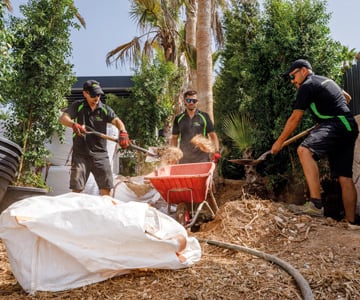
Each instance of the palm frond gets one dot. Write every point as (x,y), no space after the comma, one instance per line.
(8,5)
(239,128)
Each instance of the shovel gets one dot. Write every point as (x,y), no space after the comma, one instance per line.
(89,130)
(262,157)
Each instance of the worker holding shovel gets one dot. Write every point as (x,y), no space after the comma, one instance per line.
(334,136)
(89,151)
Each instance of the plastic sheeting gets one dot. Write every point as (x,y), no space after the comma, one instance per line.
(67,241)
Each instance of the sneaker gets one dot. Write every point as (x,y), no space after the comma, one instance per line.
(308,208)
(353,226)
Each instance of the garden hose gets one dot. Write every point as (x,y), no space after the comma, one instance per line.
(300,280)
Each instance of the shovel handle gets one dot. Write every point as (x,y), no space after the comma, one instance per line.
(103,136)
(298,136)
(110,138)
(147,152)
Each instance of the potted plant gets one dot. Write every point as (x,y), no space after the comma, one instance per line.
(34,89)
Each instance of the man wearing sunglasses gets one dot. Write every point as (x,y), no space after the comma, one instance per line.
(334,137)
(89,152)
(189,123)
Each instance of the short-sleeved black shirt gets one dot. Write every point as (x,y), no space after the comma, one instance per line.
(325,93)
(81,112)
(187,128)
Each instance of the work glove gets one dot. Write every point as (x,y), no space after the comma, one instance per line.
(124,140)
(78,129)
(216,157)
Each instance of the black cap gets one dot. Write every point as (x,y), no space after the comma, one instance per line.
(93,87)
(297,64)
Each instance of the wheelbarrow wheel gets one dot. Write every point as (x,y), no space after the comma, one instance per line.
(182,214)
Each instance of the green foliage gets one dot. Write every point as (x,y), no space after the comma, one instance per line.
(259,48)
(42,76)
(239,129)
(31,179)
(230,92)
(151,102)
(5,58)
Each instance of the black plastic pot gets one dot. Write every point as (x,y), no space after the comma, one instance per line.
(8,152)
(10,145)
(8,170)
(17,193)
(9,162)
(5,180)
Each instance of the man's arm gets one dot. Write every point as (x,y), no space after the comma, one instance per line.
(214,138)
(291,124)
(119,124)
(347,96)
(66,120)
(174,140)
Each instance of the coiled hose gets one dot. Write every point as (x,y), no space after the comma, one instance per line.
(300,280)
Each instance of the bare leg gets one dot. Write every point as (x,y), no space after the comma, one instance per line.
(105,192)
(311,171)
(349,196)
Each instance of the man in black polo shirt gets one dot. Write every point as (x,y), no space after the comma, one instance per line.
(334,137)
(89,153)
(189,123)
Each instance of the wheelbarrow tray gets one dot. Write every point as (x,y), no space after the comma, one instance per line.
(188,183)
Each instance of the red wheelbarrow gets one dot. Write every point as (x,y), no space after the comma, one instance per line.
(188,186)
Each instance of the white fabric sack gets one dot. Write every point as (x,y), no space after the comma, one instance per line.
(123,193)
(67,241)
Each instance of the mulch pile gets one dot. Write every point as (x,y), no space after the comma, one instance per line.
(322,250)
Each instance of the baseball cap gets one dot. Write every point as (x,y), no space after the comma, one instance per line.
(297,64)
(93,87)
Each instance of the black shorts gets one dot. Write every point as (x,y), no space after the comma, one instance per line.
(333,140)
(83,165)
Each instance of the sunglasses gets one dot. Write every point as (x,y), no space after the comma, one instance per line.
(189,100)
(292,76)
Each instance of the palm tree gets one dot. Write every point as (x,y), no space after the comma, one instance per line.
(161,29)
(204,57)
(158,21)
(348,57)
(190,34)
(8,5)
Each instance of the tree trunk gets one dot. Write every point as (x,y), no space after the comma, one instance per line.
(204,57)
(190,38)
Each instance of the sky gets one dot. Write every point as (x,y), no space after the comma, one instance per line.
(109,25)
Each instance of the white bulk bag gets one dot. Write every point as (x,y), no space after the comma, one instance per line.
(61,242)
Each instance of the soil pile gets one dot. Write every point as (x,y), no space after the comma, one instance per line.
(324,251)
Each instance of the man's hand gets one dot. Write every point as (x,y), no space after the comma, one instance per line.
(124,140)
(216,157)
(78,129)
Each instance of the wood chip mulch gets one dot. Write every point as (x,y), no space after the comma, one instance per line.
(324,251)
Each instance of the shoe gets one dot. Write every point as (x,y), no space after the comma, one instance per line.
(353,226)
(308,208)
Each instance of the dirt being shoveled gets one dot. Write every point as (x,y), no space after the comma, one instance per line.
(324,251)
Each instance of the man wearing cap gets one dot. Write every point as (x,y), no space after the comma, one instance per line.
(334,136)
(90,151)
